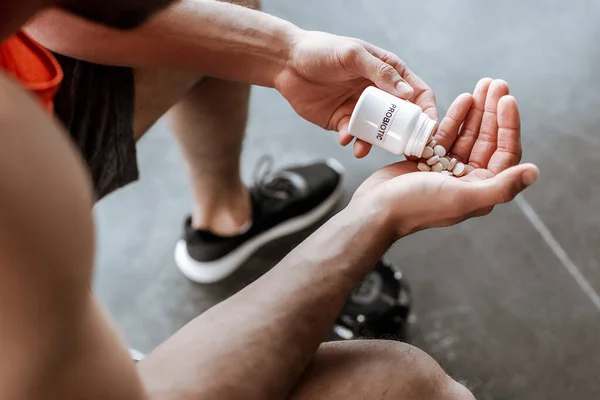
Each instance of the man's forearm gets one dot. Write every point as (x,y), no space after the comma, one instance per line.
(207,36)
(274,326)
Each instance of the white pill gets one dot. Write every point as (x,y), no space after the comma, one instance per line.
(432,143)
(446,173)
(437,167)
(439,151)
(452,164)
(427,152)
(423,167)
(445,162)
(433,160)
(459,170)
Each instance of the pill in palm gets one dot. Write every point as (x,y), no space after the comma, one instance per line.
(427,152)
(423,167)
(459,169)
(437,167)
(445,162)
(433,160)
(453,162)
(439,151)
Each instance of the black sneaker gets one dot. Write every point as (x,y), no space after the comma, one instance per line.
(378,308)
(283,202)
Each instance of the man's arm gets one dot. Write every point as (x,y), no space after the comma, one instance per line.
(54,341)
(274,326)
(211,37)
(321,75)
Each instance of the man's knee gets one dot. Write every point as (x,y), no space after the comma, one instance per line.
(413,374)
(423,378)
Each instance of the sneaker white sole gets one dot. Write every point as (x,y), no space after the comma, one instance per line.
(214,271)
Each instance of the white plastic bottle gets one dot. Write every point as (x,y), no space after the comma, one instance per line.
(393,124)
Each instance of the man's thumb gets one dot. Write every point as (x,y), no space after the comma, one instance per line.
(505,186)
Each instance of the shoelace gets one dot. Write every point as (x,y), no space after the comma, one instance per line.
(280,185)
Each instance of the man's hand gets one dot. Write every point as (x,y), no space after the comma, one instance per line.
(482,130)
(326,75)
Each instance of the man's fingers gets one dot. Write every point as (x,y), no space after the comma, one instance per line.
(502,188)
(470,129)
(342,116)
(344,136)
(509,150)
(423,95)
(448,130)
(361,148)
(382,74)
(487,141)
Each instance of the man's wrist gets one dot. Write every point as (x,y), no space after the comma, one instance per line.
(377,213)
(372,218)
(291,35)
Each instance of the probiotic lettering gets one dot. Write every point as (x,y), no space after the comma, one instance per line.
(386,122)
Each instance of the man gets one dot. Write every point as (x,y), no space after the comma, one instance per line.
(56,342)
(164,66)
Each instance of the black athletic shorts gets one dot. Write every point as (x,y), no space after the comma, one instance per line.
(96,105)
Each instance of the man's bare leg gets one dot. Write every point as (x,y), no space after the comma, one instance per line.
(209,124)
(208,117)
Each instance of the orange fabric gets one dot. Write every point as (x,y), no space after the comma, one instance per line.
(33,66)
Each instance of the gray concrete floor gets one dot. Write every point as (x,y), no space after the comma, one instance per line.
(508,304)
